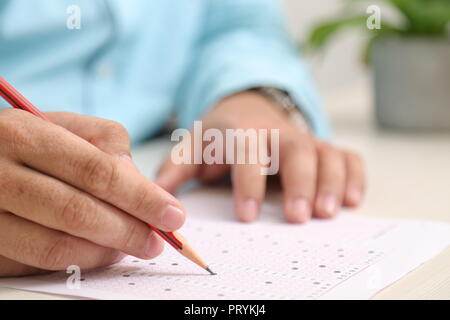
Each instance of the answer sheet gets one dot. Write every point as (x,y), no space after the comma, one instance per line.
(350,257)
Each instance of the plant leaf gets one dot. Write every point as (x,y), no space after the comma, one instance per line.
(425,17)
(323,32)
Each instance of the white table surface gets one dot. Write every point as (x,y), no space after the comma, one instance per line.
(409,177)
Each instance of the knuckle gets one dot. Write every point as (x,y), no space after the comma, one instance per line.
(129,241)
(11,127)
(79,214)
(297,145)
(54,255)
(354,157)
(5,119)
(308,175)
(114,129)
(331,157)
(302,183)
(327,149)
(25,244)
(290,145)
(6,179)
(356,169)
(146,202)
(331,180)
(294,148)
(9,113)
(111,256)
(99,176)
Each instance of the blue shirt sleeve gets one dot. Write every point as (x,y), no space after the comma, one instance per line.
(244,45)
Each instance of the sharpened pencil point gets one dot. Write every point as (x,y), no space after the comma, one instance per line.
(209,270)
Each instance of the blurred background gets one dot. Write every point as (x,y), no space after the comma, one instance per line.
(406,77)
(339,67)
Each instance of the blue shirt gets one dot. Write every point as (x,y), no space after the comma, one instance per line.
(138,61)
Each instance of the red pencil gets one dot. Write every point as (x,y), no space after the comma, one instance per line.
(18,101)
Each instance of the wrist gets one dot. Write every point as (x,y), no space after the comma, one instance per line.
(286,103)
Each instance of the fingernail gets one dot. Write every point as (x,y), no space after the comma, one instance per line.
(248,210)
(172,218)
(328,205)
(299,210)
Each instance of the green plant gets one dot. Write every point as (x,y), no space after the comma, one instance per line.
(428,18)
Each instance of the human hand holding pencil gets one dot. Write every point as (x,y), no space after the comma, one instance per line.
(70,194)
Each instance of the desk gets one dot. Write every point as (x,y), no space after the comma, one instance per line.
(409,177)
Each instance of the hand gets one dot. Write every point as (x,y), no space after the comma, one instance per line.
(70,195)
(317,178)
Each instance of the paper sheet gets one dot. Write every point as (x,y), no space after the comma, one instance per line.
(351,257)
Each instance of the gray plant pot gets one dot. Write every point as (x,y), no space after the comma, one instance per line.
(412,83)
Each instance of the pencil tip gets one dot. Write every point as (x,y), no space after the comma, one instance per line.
(209,270)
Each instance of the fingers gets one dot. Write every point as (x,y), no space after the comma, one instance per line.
(249,187)
(11,268)
(58,206)
(298,178)
(318,179)
(54,151)
(109,136)
(331,181)
(355,182)
(34,245)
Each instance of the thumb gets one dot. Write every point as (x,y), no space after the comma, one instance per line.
(171,176)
